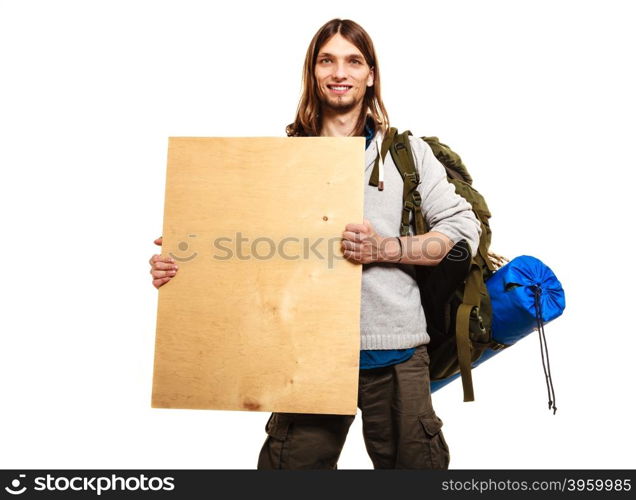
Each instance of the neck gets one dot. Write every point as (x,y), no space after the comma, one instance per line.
(339,124)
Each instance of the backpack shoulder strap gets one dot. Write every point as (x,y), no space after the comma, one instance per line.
(402,155)
(469,306)
(386,143)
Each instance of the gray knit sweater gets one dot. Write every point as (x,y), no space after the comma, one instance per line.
(391,315)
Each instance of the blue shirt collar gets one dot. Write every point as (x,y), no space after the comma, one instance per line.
(369,131)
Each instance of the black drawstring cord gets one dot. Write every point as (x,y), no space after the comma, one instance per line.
(544,345)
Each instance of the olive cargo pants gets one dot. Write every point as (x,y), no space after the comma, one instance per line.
(400,427)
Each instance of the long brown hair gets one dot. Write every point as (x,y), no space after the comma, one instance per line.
(308,119)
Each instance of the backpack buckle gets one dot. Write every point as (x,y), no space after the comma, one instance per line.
(413,177)
(417,198)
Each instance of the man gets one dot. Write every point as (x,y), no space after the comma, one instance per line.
(341,97)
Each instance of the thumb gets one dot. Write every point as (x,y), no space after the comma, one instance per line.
(159,241)
(370,231)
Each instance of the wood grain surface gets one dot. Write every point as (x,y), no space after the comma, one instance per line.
(264,312)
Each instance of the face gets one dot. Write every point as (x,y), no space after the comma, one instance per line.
(342,74)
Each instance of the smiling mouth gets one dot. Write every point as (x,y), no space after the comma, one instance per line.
(339,89)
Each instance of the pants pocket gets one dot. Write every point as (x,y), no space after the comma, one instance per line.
(273,455)
(438,456)
(277,426)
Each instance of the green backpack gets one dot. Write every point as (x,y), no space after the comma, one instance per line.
(454,295)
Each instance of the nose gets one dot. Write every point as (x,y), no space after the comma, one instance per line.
(339,71)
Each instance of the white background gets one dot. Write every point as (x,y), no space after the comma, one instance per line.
(537,97)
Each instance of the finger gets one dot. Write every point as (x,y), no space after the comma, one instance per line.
(356,228)
(352,256)
(351,245)
(160,258)
(159,241)
(164,265)
(369,226)
(351,236)
(158,273)
(158,282)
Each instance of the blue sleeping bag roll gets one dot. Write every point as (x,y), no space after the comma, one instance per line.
(525,294)
(513,290)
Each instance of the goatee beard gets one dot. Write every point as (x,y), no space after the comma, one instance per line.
(340,107)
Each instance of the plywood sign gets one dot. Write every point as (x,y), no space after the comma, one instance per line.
(264,311)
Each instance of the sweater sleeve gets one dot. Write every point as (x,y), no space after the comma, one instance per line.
(445,211)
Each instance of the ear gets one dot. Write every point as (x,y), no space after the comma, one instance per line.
(371,78)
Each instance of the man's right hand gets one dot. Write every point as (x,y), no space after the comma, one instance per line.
(162,268)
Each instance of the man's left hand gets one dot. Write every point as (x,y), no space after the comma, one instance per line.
(361,244)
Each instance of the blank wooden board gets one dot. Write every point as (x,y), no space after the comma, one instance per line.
(264,312)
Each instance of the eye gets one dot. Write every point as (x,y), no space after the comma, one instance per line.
(356,61)
(324,60)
